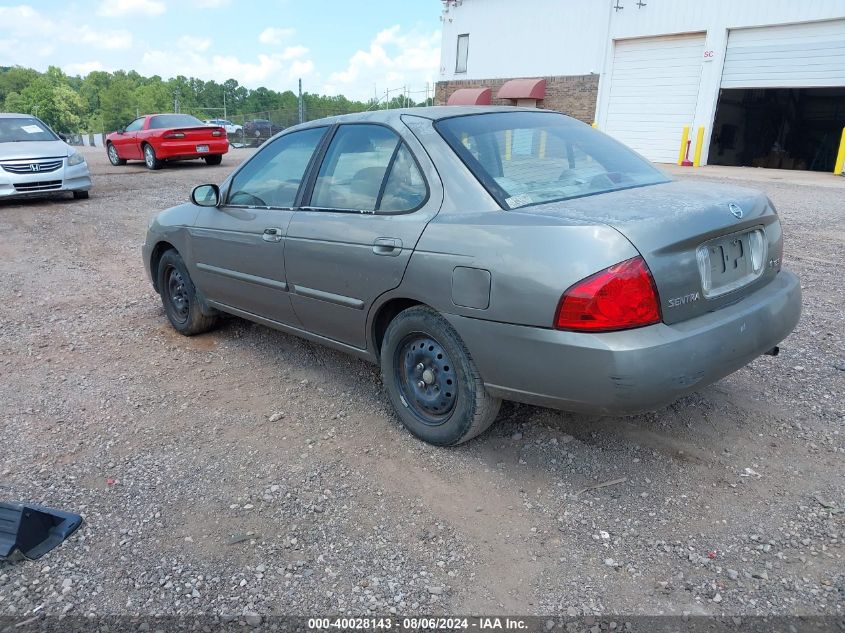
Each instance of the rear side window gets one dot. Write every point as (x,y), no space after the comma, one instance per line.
(273,176)
(405,188)
(368,168)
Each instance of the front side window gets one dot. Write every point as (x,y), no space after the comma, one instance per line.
(368,168)
(136,125)
(462,53)
(164,121)
(16,130)
(273,176)
(525,158)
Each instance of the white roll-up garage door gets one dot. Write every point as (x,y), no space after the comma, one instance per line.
(807,55)
(653,92)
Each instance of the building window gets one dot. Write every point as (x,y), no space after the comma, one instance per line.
(463,50)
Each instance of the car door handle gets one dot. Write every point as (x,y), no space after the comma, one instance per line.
(390,246)
(272,235)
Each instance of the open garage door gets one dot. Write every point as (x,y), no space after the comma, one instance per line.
(653,92)
(810,55)
(782,102)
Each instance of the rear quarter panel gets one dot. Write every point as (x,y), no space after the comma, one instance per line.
(531,261)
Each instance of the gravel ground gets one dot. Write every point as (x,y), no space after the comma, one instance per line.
(248,472)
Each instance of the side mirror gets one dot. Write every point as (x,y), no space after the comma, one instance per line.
(206,195)
(121,130)
(64,137)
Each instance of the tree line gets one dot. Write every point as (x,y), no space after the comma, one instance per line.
(106,101)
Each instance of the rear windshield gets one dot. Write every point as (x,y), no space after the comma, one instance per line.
(24,129)
(174,120)
(524,158)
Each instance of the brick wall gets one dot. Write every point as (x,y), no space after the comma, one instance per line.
(574,95)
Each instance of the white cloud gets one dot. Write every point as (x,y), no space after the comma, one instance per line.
(108,40)
(273,35)
(273,71)
(83,68)
(210,4)
(191,43)
(118,8)
(26,33)
(393,60)
(294,52)
(300,68)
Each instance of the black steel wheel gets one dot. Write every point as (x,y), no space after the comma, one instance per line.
(426,378)
(179,297)
(432,381)
(177,294)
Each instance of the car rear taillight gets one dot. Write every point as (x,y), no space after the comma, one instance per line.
(218,132)
(617,298)
(174,135)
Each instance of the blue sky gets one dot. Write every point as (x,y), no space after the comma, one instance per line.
(336,46)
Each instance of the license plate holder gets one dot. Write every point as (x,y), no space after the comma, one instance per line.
(202,149)
(726,263)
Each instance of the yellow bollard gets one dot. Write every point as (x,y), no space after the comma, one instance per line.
(542,148)
(684,139)
(699,142)
(840,157)
(508,144)
(594,124)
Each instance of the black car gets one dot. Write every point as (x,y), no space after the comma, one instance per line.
(261,128)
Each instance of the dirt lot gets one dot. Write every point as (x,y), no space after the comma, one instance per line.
(246,471)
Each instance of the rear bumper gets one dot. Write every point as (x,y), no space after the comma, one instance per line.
(75,178)
(170,149)
(632,371)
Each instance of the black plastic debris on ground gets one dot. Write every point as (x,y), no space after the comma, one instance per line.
(33,530)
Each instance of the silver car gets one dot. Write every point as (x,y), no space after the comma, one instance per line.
(34,161)
(481,254)
(232,129)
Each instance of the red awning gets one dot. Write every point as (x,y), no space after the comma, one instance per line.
(523,89)
(471,96)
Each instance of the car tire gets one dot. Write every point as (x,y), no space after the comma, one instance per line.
(215,159)
(432,381)
(179,297)
(150,159)
(80,195)
(114,158)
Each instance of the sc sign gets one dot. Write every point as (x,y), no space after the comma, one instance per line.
(709,55)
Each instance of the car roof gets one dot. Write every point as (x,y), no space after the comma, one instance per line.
(435,113)
(392,116)
(15,115)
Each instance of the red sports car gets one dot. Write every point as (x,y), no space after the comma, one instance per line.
(156,138)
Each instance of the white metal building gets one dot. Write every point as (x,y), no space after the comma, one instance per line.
(765,78)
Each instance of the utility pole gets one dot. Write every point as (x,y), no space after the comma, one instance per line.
(301,103)
(224,104)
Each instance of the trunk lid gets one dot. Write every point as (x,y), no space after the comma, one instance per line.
(199,133)
(688,232)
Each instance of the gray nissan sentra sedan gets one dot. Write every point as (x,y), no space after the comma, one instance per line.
(481,254)
(34,161)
